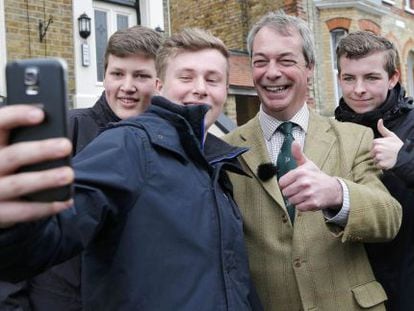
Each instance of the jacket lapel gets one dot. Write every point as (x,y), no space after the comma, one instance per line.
(251,136)
(318,145)
(318,142)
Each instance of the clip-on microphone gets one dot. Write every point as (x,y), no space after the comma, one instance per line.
(266,171)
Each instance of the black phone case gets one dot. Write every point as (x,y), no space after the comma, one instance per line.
(49,93)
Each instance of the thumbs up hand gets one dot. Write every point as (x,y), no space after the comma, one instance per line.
(298,154)
(385,149)
(307,187)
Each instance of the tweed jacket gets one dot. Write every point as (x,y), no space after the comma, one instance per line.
(314,265)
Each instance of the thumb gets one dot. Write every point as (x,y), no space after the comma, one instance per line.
(383,130)
(298,154)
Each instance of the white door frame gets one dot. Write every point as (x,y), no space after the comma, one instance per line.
(3,50)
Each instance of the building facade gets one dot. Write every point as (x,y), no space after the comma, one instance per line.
(328,20)
(49,28)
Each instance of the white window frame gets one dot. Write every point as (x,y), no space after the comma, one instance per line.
(337,89)
(389,2)
(3,51)
(112,11)
(408,7)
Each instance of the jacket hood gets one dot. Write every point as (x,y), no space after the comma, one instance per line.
(193,115)
(187,138)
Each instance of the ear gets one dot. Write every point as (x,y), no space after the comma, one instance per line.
(158,85)
(310,72)
(394,79)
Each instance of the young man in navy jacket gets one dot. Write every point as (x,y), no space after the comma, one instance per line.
(153,206)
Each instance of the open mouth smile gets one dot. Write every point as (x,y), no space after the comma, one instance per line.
(276,89)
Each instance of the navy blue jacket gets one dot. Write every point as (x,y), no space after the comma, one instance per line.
(154,213)
(59,288)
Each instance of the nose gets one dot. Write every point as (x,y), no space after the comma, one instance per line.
(359,87)
(273,71)
(200,89)
(128,85)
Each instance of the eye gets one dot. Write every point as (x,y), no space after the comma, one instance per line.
(185,78)
(348,78)
(372,78)
(259,63)
(116,73)
(213,79)
(143,76)
(288,62)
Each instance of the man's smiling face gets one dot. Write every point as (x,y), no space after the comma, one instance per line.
(197,77)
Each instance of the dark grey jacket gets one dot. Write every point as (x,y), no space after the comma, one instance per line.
(393,262)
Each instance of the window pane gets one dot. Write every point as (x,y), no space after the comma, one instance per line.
(101,34)
(121,21)
(336,35)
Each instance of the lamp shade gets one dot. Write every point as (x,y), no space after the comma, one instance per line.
(84,22)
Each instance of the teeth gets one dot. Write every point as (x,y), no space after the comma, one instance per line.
(275,88)
(128,100)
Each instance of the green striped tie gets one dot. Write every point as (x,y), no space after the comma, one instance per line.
(285,161)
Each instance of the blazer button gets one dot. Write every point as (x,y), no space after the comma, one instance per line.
(284,219)
(297,263)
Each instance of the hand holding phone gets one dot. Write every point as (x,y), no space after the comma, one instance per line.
(41,82)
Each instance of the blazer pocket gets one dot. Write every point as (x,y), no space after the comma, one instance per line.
(369,295)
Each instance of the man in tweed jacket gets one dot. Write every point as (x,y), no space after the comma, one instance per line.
(317,261)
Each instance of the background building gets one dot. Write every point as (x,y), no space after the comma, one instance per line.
(39,28)
(21,36)
(328,19)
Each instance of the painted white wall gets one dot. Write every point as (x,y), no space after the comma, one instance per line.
(152,14)
(3,54)
(87,87)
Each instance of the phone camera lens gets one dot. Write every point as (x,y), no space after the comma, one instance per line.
(31,76)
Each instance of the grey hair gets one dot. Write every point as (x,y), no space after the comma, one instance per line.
(284,24)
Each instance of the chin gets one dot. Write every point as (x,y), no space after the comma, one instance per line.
(362,110)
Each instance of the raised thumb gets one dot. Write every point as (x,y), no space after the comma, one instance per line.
(298,154)
(383,130)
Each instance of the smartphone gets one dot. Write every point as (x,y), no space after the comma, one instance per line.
(41,82)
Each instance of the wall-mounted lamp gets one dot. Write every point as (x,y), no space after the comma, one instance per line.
(84,22)
(43,29)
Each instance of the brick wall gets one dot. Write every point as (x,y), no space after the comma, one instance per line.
(22,35)
(228,19)
(224,19)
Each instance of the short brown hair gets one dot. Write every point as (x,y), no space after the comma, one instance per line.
(189,39)
(360,44)
(135,40)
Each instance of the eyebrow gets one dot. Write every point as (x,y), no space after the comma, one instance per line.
(366,74)
(191,70)
(144,70)
(278,55)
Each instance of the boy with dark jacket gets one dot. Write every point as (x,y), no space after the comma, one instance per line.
(372,96)
(129,83)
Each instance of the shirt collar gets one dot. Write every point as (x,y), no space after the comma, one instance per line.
(269,124)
